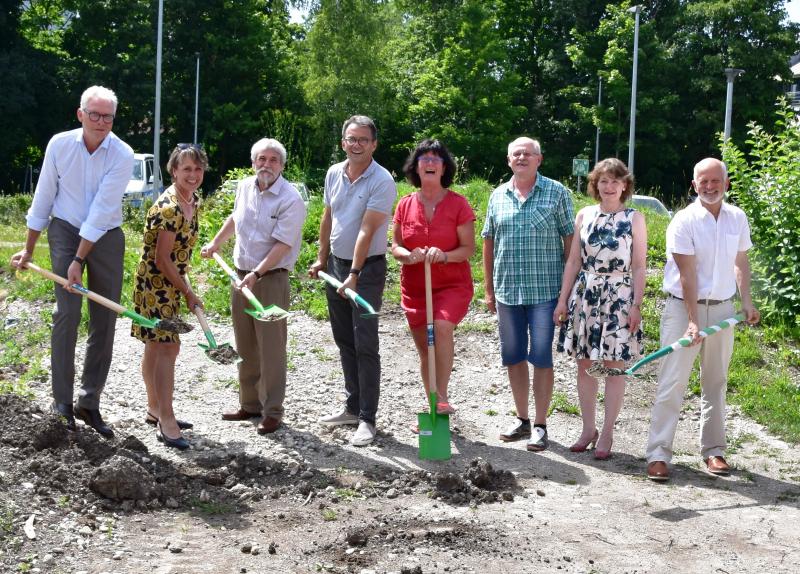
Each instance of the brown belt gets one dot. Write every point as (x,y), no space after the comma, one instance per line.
(705,301)
(242,272)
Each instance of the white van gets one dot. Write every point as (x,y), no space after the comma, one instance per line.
(142,185)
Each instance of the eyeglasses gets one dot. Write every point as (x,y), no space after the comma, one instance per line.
(94,116)
(360,141)
(429,159)
(523,153)
(194,146)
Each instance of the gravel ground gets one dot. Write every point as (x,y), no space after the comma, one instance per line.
(304,500)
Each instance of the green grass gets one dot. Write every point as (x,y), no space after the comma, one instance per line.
(560,403)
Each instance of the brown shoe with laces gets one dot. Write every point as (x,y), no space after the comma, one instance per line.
(717,465)
(658,471)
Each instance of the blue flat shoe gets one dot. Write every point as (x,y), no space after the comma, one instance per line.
(179,443)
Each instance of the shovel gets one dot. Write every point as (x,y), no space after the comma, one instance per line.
(223,354)
(598,370)
(434,429)
(169,325)
(352,295)
(260,313)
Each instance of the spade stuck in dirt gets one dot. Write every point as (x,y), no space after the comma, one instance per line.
(434,429)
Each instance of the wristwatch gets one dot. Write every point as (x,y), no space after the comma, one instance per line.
(78,259)
(354,271)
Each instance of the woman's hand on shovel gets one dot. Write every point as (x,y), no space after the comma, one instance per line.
(193,300)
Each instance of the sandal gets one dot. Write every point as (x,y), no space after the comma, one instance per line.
(444,408)
(152,420)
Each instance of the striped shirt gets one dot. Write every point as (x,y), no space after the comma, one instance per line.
(528,245)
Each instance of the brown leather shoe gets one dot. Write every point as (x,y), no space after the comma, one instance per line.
(717,465)
(240,415)
(658,471)
(267,425)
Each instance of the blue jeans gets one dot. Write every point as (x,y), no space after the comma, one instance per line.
(524,325)
(357,337)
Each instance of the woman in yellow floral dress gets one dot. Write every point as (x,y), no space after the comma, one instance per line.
(169,236)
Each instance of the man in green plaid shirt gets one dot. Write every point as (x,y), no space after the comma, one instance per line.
(526,239)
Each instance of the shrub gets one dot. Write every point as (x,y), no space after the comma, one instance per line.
(765,183)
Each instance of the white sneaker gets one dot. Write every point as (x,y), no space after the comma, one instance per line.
(364,435)
(344,417)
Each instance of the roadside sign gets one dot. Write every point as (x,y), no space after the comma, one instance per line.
(580,167)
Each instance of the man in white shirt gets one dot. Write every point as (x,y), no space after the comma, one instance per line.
(707,245)
(78,199)
(267,219)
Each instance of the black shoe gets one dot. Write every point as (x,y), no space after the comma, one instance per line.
(92,418)
(65,411)
(152,420)
(179,443)
(518,431)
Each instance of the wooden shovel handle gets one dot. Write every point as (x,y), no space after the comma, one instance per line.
(105,302)
(431,339)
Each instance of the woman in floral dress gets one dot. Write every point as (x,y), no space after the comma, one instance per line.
(599,308)
(169,236)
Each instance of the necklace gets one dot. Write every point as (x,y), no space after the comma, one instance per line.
(180,196)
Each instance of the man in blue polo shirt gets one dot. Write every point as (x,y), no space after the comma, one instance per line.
(526,239)
(359,195)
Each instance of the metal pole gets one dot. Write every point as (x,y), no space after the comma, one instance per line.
(597,138)
(196,95)
(157,121)
(631,138)
(731,74)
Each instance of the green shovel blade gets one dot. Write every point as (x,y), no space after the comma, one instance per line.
(434,434)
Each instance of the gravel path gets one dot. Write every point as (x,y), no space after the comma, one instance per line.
(304,500)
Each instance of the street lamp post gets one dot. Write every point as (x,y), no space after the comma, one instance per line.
(631,138)
(196,94)
(157,120)
(731,74)
(597,137)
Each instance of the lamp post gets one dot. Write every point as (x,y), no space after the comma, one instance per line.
(157,120)
(196,94)
(597,137)
(636,11)
(731,74)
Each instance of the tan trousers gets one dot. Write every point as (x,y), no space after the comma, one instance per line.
(673,378)
(262,347)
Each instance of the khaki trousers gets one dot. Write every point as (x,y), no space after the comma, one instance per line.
(715,356)
(262,347)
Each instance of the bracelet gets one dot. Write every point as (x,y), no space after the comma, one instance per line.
(257,274)
(354,271)
(445,256)
(77,259)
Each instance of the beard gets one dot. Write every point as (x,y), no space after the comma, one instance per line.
(266,177)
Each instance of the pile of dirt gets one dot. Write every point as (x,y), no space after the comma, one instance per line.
(479,483)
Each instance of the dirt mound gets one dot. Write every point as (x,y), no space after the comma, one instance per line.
(479,483)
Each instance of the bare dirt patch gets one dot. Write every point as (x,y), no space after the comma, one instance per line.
(304,500)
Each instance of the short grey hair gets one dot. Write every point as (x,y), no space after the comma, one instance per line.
(98,93)
(360,121)
(703,162)
(537,148)
(268,144)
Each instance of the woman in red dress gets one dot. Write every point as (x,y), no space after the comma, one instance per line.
(436,224)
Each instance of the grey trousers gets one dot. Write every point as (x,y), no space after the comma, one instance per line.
(262,347)
(104,276)
(357,337)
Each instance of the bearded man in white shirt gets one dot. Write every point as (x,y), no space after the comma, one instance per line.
(78,199)
(707,244)
(267,219)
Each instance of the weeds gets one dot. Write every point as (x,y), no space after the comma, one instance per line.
(560,403)
(328,514)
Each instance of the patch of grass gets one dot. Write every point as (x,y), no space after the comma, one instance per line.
(477,327)
(490,412)
(321,354)
(346,493)
(6,521)
(63,501)
(737,442)
(561,404)
(212,507)
(328,514)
